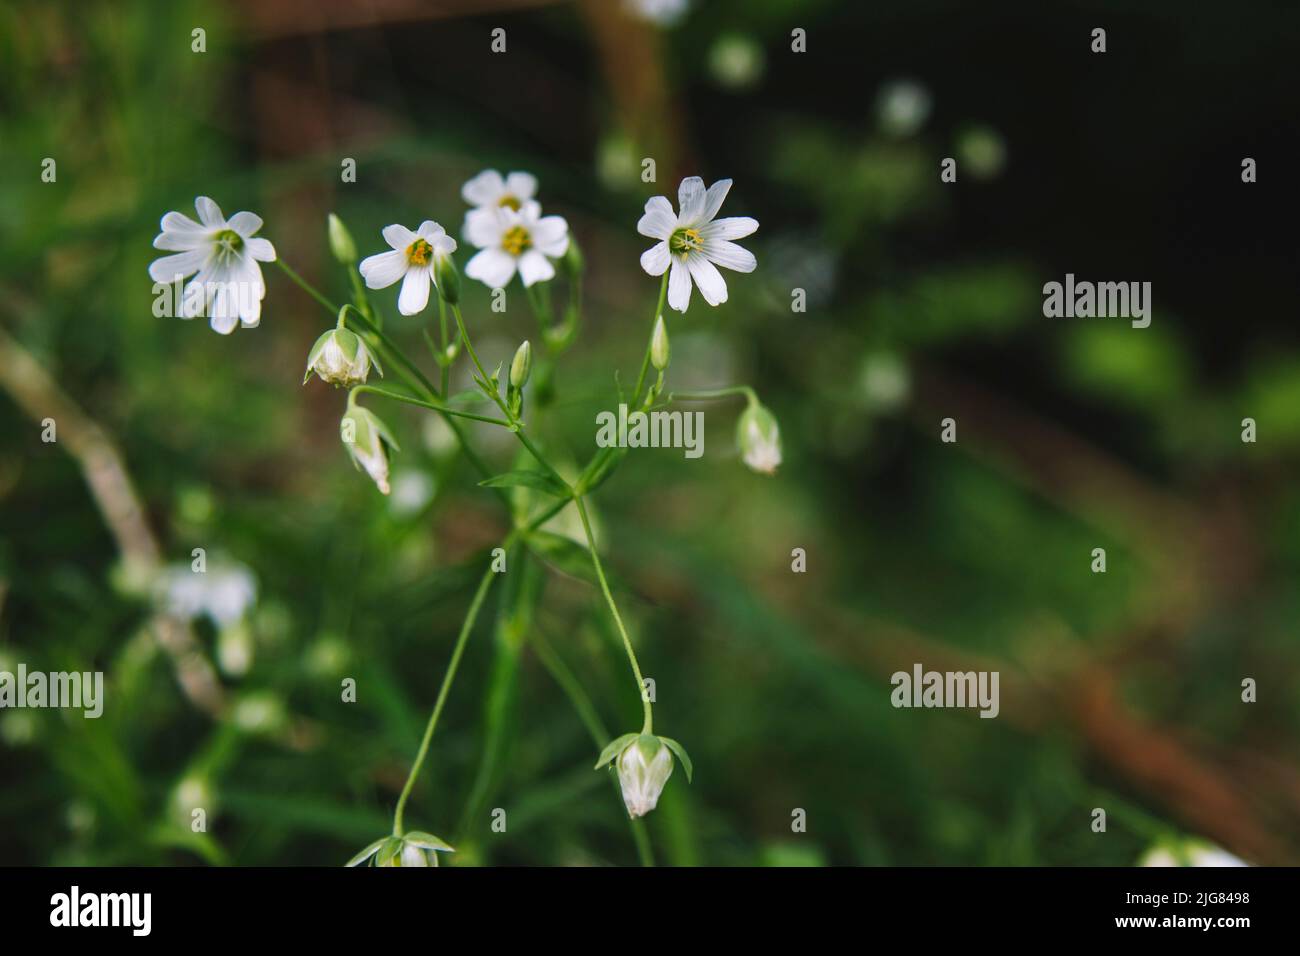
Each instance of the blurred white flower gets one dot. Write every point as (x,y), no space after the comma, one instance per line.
(223,257)
(412,490)
(736,61)
(412,261)
(490,191)
(903,106)
(664,13)
(511,240)
(1189,853)
(691,241)
(223,592)
(759,439)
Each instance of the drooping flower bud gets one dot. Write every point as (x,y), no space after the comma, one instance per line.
(643,769)
(340,358)
(341,244)
(446,278)
(521,366)
(759,439)
(368,440)
(660,351)
(416,848)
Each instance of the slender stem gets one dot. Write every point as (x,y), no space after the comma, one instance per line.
(437,407)
(469,347)
(447,679)
(306,286)
(541,459)
(394,352)
(586,711)
(712,395)
(645,361)
(648,726)
(445,362)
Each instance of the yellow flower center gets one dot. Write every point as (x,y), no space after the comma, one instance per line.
(418,253)
(685,240)
(516,240)
(510,202)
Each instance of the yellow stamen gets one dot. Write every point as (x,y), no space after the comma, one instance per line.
(685,241)
(418,253)
(516,240)
(509,202)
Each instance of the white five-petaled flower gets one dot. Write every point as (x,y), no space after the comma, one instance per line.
(413,260)
(489,190)
(222,255)
(692,242)
(511,240)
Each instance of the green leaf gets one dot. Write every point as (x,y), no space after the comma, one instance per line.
(427,841)
(564,555)
(529,479)
(367,853)
(614,747)
(680,751)
(600,468)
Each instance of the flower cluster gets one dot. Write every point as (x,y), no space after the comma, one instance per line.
(512,237)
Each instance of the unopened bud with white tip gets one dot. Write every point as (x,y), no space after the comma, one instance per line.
(660,351)
(759,438)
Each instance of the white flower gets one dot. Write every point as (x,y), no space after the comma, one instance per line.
(643,769)
(1191,852)
(368,440)
(759,439)
(692,241)
(223,592)
(488,190)
(340,358)
(228,286)
(412,261)
(514,239)
(663,12)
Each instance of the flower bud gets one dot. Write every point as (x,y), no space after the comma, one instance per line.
(644,767)
(446,278)
(414,849)
(759,439)
(340,358)
(521,366)
(367,440)
(341,244)
(660,351)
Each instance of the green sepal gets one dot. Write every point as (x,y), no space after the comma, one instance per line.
(680,751)
(427,841)
(391,850)
(367,853)
(614,748)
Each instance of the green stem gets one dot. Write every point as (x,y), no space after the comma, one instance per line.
(447,679)
(713,395)
(648,725)
(645,361)
(469,347)
(437,407)
(306,286)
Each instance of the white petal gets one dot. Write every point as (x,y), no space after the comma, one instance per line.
(261,250)
(415,291)
(679,285)
(522,186)
(209,212)
(690,201)
(484,189)
(179,222)
(443,245)
(245,223)
(712,286)
(713,198)
(655,259)
(430,231)
(535,267)
(182,264)
(659,220)
(493,267)
(551,235)
(223,322)
(737,227)
(483,227)
(729,255)
(181,241)
(382,270)
(398,236)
